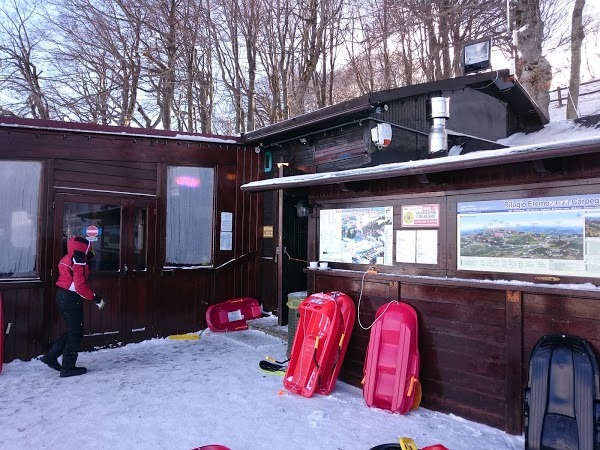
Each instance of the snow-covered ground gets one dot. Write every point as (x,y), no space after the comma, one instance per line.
(181,394)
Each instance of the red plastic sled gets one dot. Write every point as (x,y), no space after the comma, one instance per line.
(232,315)
(212,447)
(322,335)
(1,335)
(392,364)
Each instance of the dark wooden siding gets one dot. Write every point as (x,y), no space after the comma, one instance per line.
(474,340)
(131,176)
(476,329)
(133,167)
(342,149)
(24,311)
(564,314)
(461,340)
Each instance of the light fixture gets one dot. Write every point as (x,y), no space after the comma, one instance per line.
(379,109)
(303,209)
(303,140)
(282,161)
(477,56)
(381,135)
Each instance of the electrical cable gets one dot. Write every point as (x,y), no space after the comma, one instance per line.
(487,85)
(362,285)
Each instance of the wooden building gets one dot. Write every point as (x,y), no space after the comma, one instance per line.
(182,222)
(494,247)
(172,231)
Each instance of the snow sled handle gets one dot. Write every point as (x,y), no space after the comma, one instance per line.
(562,397)
(231,315)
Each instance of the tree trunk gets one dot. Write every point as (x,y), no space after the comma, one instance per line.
(533,69)
(577,36)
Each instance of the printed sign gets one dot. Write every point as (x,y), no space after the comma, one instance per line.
(421,215)
(356,235)
(543,236)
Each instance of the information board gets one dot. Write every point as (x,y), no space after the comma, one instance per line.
(356,235)
(544,235)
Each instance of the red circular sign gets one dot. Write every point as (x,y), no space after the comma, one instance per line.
(92,231)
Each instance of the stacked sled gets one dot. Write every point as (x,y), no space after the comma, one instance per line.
(391,369)
(322,335)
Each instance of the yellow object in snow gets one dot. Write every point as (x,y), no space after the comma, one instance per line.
(407,444)
(185,337)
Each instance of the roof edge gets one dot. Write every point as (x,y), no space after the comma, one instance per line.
(483,158)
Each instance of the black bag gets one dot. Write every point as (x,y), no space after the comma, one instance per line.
(562,398)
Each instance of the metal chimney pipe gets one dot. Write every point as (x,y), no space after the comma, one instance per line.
(439,111)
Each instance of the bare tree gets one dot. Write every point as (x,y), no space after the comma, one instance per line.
(275,49)
(21,46)
(97,60)
(194,100)
(577,35)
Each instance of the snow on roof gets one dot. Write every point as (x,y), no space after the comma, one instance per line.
(559,137)
(121,132)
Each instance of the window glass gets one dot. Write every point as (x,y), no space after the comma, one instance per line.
(80,219)
(189,215)
(139,238)
(19,212)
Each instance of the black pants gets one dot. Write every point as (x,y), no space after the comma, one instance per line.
(70,305)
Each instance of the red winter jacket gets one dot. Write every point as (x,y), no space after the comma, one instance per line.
(73,270)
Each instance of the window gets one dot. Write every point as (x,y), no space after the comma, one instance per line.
(189,215)
(19,212)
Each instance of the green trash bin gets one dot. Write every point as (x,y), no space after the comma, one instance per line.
(294,300)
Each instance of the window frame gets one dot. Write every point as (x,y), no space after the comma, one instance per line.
(168,265)
(38,269)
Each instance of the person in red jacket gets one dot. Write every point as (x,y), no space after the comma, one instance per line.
(73,272)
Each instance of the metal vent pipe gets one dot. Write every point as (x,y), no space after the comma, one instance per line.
(439,112)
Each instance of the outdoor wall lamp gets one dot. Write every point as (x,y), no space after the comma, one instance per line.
(303,210)
(282,161)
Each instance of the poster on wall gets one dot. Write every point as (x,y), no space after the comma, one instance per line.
(544,235)
(356,235)
(417,246)
(421,215)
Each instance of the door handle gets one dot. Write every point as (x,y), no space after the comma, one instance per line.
(125,268)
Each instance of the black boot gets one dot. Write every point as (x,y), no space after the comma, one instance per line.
(51,362)
(72,372)
(68,367)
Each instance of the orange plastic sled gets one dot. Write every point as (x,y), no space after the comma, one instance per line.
(392,364)
(232,315)
(322,335)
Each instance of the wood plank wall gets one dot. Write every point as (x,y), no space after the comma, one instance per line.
(78,161)
(23,309)
(474,342)
(477,330)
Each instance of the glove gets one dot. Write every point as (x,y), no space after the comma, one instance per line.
(99,302)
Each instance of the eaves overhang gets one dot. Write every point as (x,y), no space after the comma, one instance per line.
(113,130)
(484,158)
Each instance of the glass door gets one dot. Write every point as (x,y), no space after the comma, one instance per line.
(118,230)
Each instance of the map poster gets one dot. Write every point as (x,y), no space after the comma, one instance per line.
(357,235)
(544,235)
